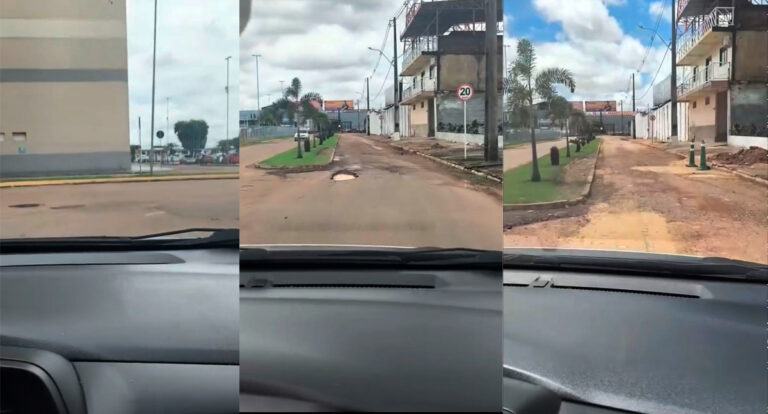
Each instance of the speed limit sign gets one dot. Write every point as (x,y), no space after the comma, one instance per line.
(464,92)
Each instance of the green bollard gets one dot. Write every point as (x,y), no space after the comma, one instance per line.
(703,159)
(691,157)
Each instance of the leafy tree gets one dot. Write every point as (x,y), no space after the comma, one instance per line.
(559,112)
(524,85)
(299,107)
(268,116)
(193,134)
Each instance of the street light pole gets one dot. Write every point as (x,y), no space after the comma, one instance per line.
(673,82)
(282,92)
(258,100)
(395,76)
(226,138)
(152,122)
(367,107)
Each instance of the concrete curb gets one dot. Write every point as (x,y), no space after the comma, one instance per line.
(450,164)
(756,180)
(74,181)
(563,203)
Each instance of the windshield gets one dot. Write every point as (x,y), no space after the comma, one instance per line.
(105,124)
(627,139)
(353,132)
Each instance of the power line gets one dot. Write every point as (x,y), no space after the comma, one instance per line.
(653,35)
(650,85)
(383,83)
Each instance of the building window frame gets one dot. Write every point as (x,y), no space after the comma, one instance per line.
(723,55)
(706,100)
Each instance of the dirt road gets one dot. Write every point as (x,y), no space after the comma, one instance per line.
(398,199)
(260,152)
(117,209)
(521,154)
(644,199)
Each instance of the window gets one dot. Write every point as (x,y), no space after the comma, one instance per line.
(19,136)
(2,136)
(723,56)
(706,100)
(707,64)
(694,104)
(432,72)
(695,73)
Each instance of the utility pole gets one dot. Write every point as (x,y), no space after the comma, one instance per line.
(226,138)
(152,122)
(634,130)
(140,149)
(491,82)
(396,76)
(357,107)
(167,111)
(622,115)
(673,81)
(258,100)
(367,107)
(282,92)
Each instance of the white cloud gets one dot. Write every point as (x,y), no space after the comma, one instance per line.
(322,42)
(193,38)
(593,46)
(658,8)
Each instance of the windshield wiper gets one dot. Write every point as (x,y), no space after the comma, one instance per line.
(651,264)
(215,238)
(343,256)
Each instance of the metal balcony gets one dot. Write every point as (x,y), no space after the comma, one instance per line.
(702,35)
(422,89)
(415,56)
(711,79)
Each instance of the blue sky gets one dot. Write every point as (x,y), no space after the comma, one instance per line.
(598,40)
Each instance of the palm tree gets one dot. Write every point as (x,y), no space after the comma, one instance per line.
(299,107)
(524,84)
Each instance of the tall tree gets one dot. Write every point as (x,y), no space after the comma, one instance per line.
(525,85)
(299,107)
(193,134)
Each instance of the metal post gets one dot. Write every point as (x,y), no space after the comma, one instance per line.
(465,130)
(491,81)
(367,107)
(673,81)
(140,145)
(258,96)
(226,138)
(396,76)
(691,156)
(152,121)
(634,129)
(621,103)
(703,159)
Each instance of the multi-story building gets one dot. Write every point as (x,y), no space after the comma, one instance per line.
(444,47)
(63,87)
(722,60)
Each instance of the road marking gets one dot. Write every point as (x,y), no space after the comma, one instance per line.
(154,213)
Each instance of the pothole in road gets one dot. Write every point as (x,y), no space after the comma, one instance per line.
(26,205)
(344,175)
(68,206)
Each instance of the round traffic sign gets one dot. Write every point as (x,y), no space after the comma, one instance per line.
(160,134)
(464,92)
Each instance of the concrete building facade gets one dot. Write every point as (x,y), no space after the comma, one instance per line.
(721,60)
(445,48)
(63,88)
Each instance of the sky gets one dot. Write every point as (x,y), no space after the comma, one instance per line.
(599,41)
(193,39)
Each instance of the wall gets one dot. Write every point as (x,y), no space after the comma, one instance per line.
(660,128)
(751,56)
(455,70)
(746,142)
(266,132)
(701,124)
(66,86)
(748,109)
(419,125)
(450,112)
(477,139)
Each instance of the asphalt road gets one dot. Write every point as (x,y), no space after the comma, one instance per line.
(117,209)
(645,199)
(398,200)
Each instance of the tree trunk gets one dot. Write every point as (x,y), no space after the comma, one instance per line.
(535,175)
(307,145)
(567,141)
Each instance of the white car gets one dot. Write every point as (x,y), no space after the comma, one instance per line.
(142,158)
(303,133)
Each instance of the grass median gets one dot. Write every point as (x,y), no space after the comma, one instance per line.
(319,155)
(519,189)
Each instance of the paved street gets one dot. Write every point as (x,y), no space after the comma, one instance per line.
(521,154)
(398,199)
(117,209)
(644,199)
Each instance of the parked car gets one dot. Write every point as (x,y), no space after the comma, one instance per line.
(142,158)
(233,159)
(188,159)
(303,133)
(206,159)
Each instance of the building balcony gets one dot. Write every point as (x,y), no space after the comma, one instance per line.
(423,88)
(417,55)
(704,34)
(714,78)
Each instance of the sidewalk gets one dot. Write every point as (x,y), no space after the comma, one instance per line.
(757,171)
(451,153)
(46,181)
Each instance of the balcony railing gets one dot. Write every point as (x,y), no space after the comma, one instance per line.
(417,47)
(715,71)
(421,85)
(701,25)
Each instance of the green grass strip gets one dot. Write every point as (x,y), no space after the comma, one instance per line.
(319,155)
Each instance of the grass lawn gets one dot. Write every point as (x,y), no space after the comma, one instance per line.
(519,189)
(317,156)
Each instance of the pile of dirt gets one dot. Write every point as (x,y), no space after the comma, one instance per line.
(744,156)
